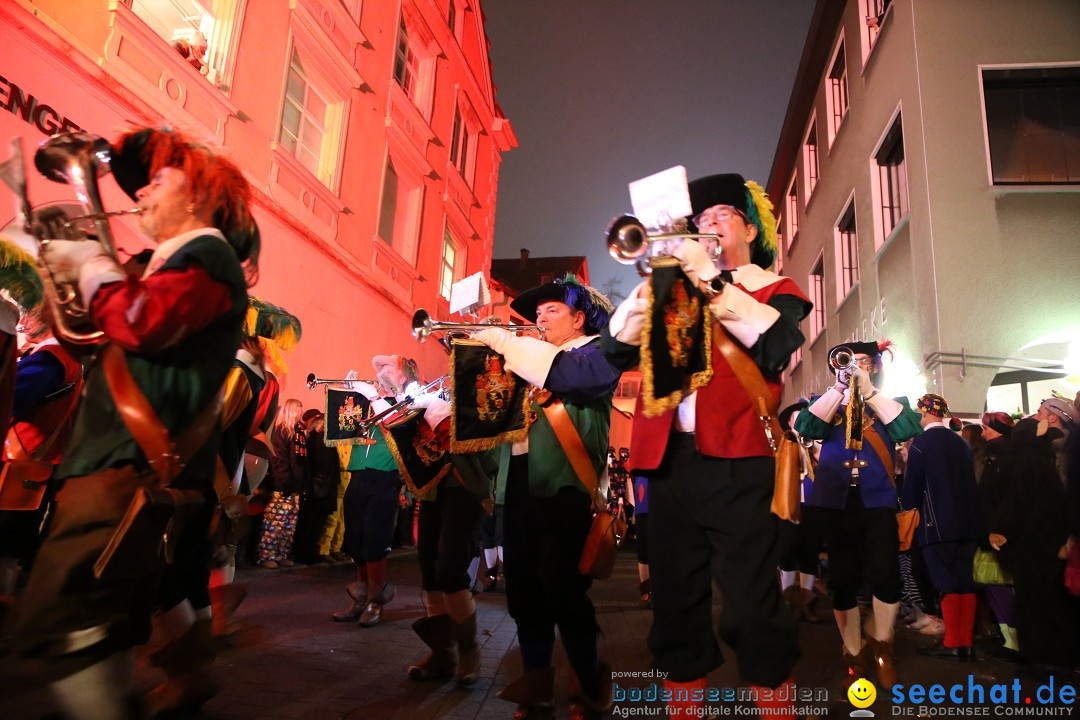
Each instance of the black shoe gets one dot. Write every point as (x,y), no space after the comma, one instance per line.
(938,650)
(1006,655)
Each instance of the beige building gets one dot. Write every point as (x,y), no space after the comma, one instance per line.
(928,185)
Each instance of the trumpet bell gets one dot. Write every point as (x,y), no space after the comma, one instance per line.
(627,240)
(421,325)
(312,381)
(841,358)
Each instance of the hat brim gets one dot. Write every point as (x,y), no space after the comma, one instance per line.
(526,303)
(381,361)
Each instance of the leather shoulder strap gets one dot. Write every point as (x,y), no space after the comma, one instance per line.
(871,435)
(751,379)
(167,457)
(571,443)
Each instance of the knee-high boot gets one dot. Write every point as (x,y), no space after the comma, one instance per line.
(186,661)
(534,692)
(462,610)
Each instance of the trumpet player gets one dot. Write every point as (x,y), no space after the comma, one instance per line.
(709,462)
(854,497)
(371,500)
(173,331)
(548,507)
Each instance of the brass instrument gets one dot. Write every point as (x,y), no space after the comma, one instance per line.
(423,326)
(77,159)
(402,407)
(313,381)
(628,240)
(841,358)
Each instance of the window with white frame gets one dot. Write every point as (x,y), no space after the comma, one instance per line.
(892,181)
(816,284)
(847,251)
(399,211)
(1032,124)
(463,146)
(874,12)
(304,119)
(792,211)
(406,64)
(837,98)
(448,264)
(796,358)
(202,31)
(810,159)
(780,249)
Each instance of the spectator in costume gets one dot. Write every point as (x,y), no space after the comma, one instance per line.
(709,463)
(940,483)
(548,508)
(854,496)
(288,471)
(175,329)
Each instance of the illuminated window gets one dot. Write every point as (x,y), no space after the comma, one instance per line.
(780,249)
(892,183)
(816,283)
(448,264)
(1032,125)
(198,30)
(810,159)
(303,117)
(847,252)
(838,92)
(399,211)
(793,212)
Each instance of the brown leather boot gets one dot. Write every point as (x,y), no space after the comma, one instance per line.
(593,704)
(186,661)
(224,599)
(468,651)
(372,613)
(807,602)
(881,652)
(437,632)
(534,692)
(856,665)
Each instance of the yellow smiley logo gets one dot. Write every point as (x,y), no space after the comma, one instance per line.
(862,693)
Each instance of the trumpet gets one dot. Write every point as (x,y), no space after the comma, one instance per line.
(401,407)
(628,241)
(423,326)
(841,358)
(313,381)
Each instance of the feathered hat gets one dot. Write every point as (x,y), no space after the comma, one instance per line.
(572,292)
(278,331)
(748,198)
(19,276)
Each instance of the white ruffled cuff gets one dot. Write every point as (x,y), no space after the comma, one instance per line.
(827,405)
(743,316)
(885,407)
(436,412)
(95,272)
(620,327)
(530,358)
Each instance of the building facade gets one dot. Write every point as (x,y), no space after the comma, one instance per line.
(369,132)
(927,182)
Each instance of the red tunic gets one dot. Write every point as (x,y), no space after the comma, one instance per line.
(726,422)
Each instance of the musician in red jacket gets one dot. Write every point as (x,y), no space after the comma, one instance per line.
(708,460)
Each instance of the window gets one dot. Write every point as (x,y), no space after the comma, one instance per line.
(399,211)
(406,64)
(892,178)
(796,358)
(1033,125)
(197,29)
(780,249)
(810,159)
(793,213)
(838,92)
(875,12)
(304,118)
(451,17)
(847,252)
(447,264)
(463,146)
(816,282)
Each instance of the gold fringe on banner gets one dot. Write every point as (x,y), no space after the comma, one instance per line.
(420,493)
(479,444)
(653,405)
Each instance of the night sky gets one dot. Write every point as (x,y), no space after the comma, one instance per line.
(604,92)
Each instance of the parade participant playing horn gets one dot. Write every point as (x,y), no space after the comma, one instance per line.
(171,337)
(548,509)
(371,500)
(709,462)
(854,498)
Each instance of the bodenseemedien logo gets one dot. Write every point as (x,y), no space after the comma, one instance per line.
(862,694)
